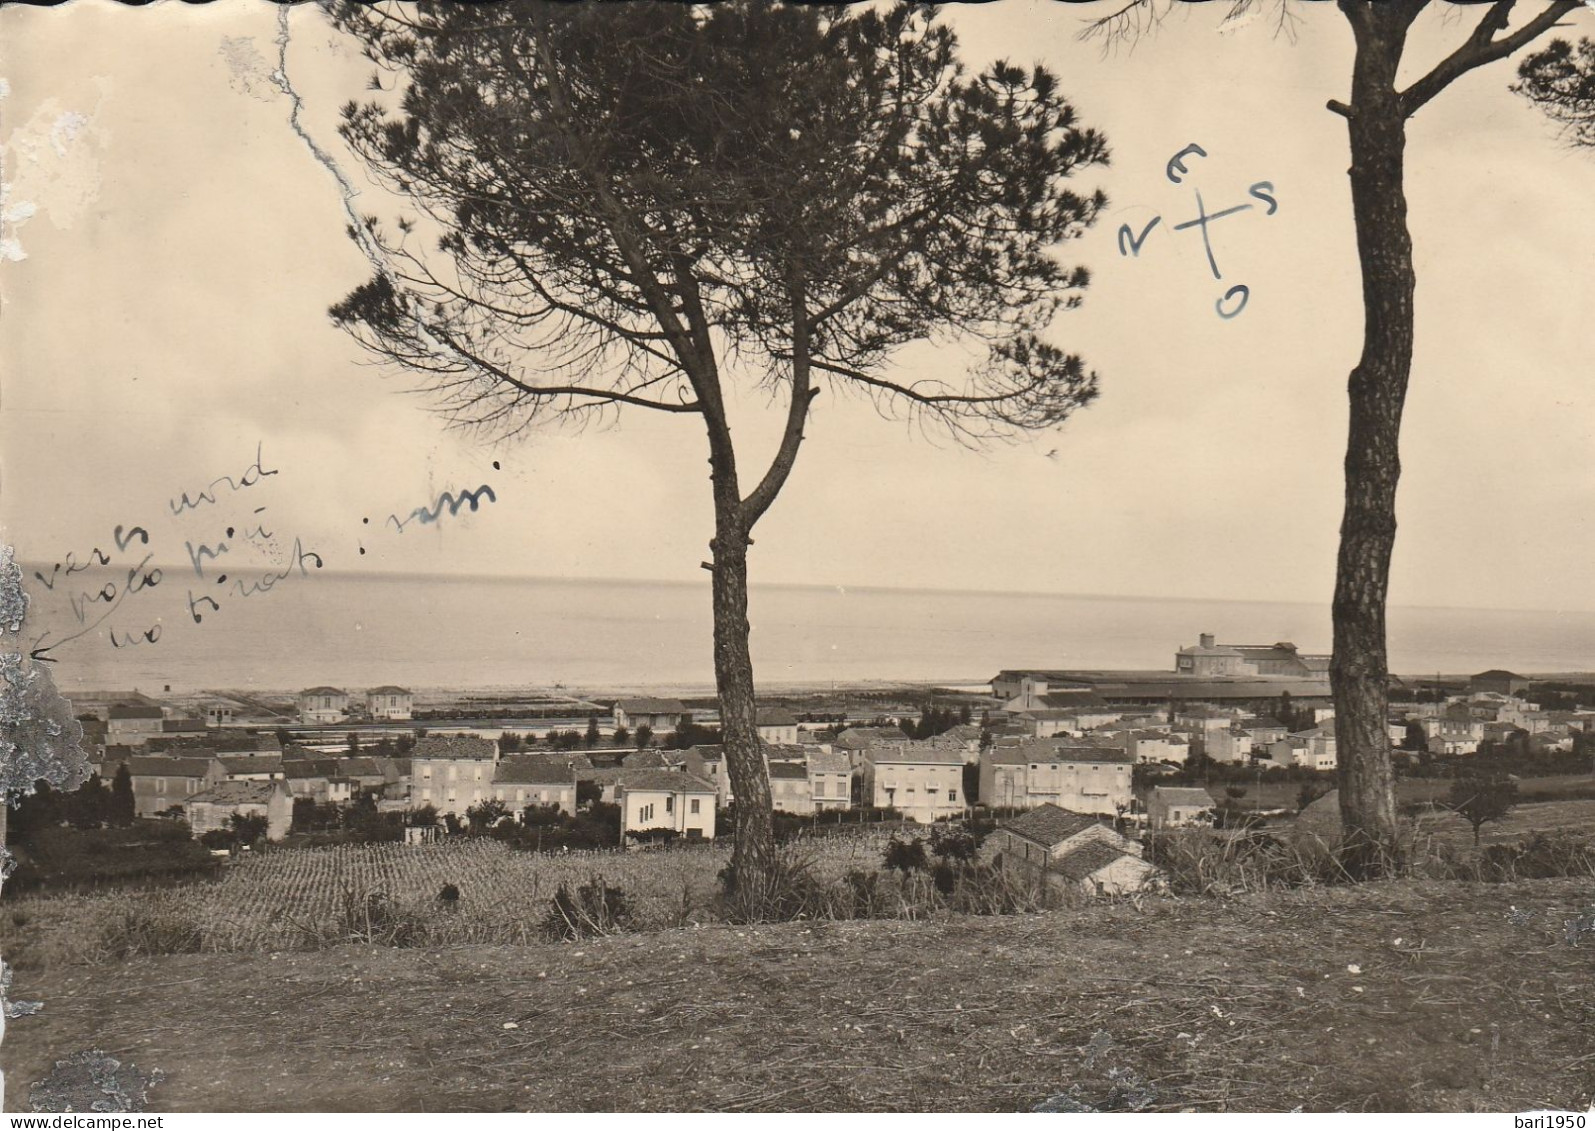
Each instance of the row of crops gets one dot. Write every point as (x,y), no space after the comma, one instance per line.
(455,892)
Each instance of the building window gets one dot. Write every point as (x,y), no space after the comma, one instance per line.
(694,809)
(952,796)
(670,803)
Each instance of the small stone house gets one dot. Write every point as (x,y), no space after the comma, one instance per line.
(658,715)
(1071,850)
(213,808)
(1173,807)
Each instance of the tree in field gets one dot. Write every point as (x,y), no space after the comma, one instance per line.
(644,736)
(1376,121)
(1479,800)
(630,206)
(590,739)
(485,814)
(90,806)
(123,806)
(247,828)
(622,736)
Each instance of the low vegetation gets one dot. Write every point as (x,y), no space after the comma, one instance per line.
(56,857)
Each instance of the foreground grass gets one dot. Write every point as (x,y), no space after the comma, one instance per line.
(1463,997)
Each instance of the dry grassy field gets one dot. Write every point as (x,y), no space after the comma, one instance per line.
(1577,815)
(1269,1001)
(1405,996)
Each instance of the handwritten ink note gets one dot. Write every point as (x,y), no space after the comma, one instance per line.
(219,542)
(1181,170)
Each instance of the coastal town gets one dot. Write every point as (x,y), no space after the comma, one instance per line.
(1073,768)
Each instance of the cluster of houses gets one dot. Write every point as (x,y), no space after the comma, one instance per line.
(1494,712)
(1056,747)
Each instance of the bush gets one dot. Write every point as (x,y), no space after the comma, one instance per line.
(906,856)
(794,891)
(595,908)
(955,843)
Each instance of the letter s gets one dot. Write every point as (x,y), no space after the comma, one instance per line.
(1263,190)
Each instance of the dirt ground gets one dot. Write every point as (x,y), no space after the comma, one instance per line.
(1416,996)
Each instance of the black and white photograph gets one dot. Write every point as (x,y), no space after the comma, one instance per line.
(633,556)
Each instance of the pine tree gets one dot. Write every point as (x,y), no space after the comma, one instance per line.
(124,806)
(628,198)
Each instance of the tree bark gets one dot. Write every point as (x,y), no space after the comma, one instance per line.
(1377,388)
(753,849)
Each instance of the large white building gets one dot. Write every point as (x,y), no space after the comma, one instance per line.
(389,703)
(452,772)
(1094,780)
(323,705)
(922,781)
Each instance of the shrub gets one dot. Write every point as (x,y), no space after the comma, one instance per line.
(794,891)
(906,856)
(954,843)
(595,908)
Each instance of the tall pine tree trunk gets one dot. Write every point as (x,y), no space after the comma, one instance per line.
(1378,388)
(753,849)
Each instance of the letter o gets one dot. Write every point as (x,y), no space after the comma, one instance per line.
(1240,289)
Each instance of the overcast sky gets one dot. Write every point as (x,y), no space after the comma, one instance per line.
(172,247)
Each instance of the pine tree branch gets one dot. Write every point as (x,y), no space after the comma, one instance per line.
(1483,47)
(759,500)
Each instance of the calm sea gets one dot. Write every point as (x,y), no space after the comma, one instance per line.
(365,630)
